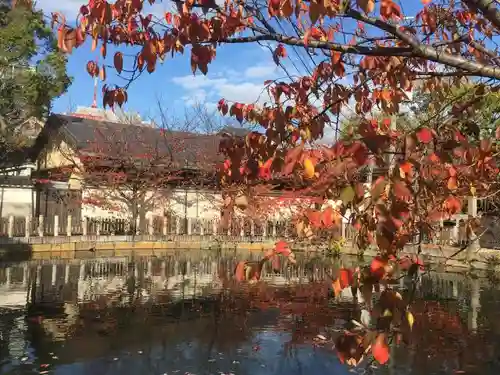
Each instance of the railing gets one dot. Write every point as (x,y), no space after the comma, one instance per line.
(12,228)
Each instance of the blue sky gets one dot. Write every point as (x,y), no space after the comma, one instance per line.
(237,74)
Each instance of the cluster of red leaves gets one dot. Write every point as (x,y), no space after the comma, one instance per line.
(424,174)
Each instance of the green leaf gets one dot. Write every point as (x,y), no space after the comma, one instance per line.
(347,195)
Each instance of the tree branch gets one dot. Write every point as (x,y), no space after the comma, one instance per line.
(488,8)
(428,52)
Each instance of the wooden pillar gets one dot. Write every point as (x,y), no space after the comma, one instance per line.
(84,226)
(27,226)
(68,226)
(56,225)
(252,228)
(177,226)
(214,227)
(10,229)
(165,225)
(242,229)
(189,226)
(40,226)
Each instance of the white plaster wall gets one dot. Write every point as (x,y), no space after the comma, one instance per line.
(199,204)
(15,201)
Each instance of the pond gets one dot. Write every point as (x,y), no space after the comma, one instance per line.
(177,314)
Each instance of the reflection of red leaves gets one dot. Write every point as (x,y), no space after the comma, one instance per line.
(380,349)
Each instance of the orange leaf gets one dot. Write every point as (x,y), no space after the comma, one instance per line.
(366,5)
(336,287)
(308,168)
(380,349)
(102,73)
(452,183)
(424,135)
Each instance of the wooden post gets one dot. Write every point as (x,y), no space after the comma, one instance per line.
(165,225)
(27,226)
(264,229)
(98,227)
(56,225)
(151,228)
(10,229)
(274,228)
(177,226)
(84,226)
(472,206)
(137,225)
(202,227)
(40,225)
(242,229)
(214,227)
(252,228)
(68,226)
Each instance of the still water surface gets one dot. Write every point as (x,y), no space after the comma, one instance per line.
(174,314)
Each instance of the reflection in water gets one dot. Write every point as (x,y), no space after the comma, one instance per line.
(179,314)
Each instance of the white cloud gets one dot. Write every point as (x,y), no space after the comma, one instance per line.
(71,8)
(260,71)
(194,82)
(217,88)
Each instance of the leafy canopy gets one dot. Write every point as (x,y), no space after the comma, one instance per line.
(33,70)
(368,56)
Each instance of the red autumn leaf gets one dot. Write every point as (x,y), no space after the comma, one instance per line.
(380,349)
(239,272)
(424,135)
(345,277)
(401,190)
(314,218)
(281,247)
(452,205)
(327,217)
(377,267)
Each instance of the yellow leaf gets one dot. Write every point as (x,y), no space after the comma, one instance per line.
(410,318)
(308,168)
(387,313)
(473,190)
(366,5)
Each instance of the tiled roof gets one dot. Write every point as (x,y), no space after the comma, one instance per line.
(118,140)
